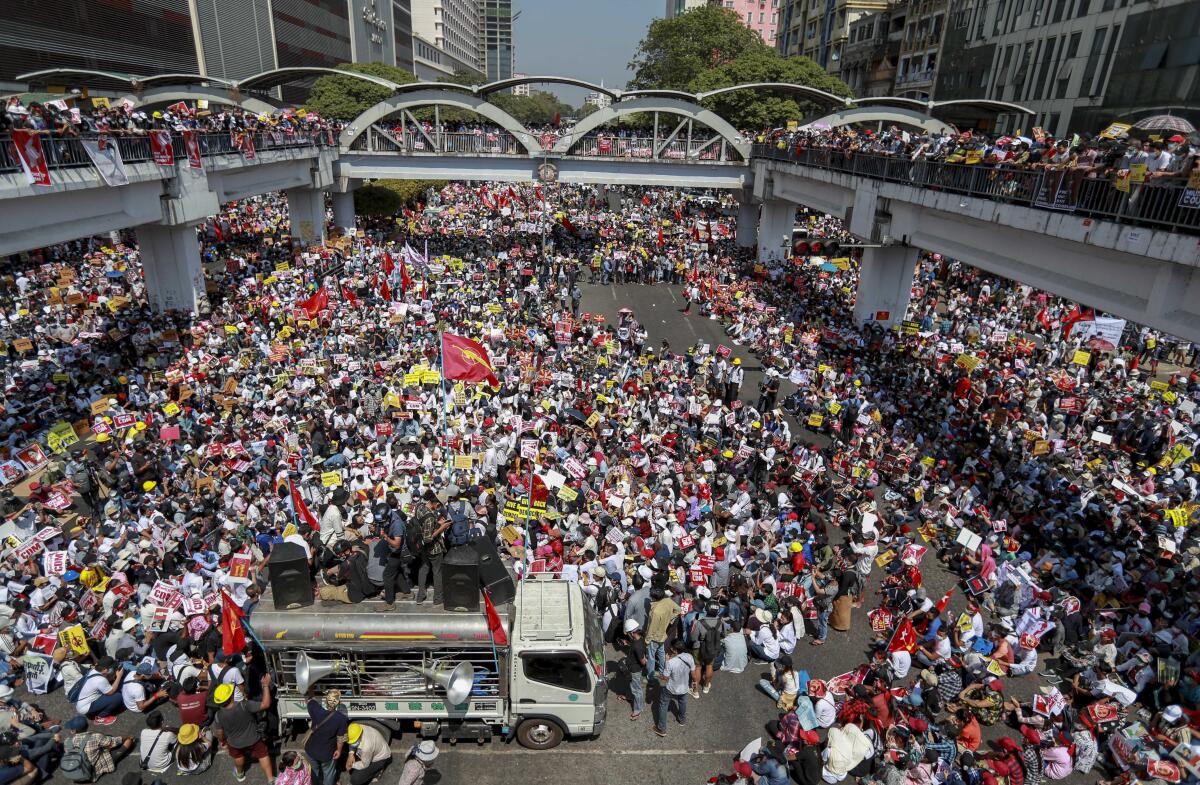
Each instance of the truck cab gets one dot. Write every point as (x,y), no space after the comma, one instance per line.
(543,684)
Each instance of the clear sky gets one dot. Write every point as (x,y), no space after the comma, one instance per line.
(585,39)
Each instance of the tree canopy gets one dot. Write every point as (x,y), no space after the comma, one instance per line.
(344,97)
(761,108)
(708,48)
(676,51)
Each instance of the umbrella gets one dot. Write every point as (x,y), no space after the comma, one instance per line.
(1165,122)
(625,312)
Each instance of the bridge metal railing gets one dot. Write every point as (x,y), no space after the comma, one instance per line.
(603,146)
(1165,203)
(406,141)
(67,152)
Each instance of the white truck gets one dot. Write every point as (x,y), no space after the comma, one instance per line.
(439,673)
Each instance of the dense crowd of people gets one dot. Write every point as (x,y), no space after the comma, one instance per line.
(152,461)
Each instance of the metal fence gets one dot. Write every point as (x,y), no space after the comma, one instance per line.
(406,141)
(68,152)
(603,146)
(1165,203)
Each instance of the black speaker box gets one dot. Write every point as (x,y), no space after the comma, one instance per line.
(291,583)
(493,575)
(460,580)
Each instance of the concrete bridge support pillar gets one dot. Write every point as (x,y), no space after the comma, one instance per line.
(747,222)
(306,208)
(775,225)
(343,211)
(171,261)
(885,285)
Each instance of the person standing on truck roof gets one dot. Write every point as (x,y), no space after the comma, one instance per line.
(369,753)
(430,515)
(663,612)
(327,738)
(398,557)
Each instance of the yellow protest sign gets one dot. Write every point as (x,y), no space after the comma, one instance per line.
(1115,130)
(430,377)
(171,409)
(75,638)
(463,462)
(968,361)
(331,479)
(1081,357)
(1178,516)
(1137,173)
(412,379)
(1157,385)
(592,419)
(815,420)
(834,407)
(567,494)
(1170,397)
(289,530)
(283,267)
(1177,454)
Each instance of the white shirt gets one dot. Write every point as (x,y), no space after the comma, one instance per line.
(767,641)
(154,746)
(132,692)
(97,684)
(900,662)
(826,711)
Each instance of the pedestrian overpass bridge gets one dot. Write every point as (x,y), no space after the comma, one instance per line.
(1132,254)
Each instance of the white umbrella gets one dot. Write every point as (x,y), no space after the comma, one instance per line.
(751,749)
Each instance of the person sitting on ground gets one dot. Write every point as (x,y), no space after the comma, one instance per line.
(155,744)
(89,755)
(194,751)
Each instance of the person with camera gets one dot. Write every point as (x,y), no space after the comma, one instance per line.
(348,579)
(393,530)
(431,516)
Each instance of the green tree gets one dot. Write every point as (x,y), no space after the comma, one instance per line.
(754,109)
(676,51)
(344,97)
(537,108)
(388,197)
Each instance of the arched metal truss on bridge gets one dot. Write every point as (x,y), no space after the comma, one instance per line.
(800,91)
(690,112)
(505,84)
(887,114)
(170,95)
(405,102)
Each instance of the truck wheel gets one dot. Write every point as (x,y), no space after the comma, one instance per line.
(539,734)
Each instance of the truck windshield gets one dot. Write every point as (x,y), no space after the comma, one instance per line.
(593,638)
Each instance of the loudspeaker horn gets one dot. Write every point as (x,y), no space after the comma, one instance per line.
(309,671)
(456,681)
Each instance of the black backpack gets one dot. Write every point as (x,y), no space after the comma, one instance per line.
(414,532)
(710,639)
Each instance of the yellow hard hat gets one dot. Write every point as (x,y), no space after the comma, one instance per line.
(795,547)
(123,379)
(737,360)
(139,426)
(149,485)
(222,694)
(354,733)
(756,424)
(102,437)
(728,453)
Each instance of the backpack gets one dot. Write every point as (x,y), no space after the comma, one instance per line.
(414,532)
(74,765)
(710,639)
(77,689)
(460,525)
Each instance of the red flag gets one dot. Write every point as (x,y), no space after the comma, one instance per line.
(708,230)
(904,638)
(191,143)
(944,601)
(678,216)
(1043,318)
(466,360)
(246,143)
(566,222)
(315,304)
(385,291)
(660,238)
(557,119)
(495,625)
(233,637)
(303,514)
(160,147)
(180,108)
(349,297)
(538,192)
(646,199)
(513,194)
(405,278)
(540,492)
(33,160)
(220,233)
(1077,315)
(388,264)
(696,233)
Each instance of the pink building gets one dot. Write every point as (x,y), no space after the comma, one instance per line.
(761,16)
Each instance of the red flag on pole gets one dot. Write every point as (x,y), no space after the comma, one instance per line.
(385,291)
(349,297)
(944,601)
(388,264)
(160,147)
(191,143)
(33,160)
(233,637)
(1077,315)
(566,222)
(303,514)
(660,238)
(495,624)
(405,278)
(1043,318)
(904,638)
(466,360)
(315,304)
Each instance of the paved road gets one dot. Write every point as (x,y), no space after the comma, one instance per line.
(719,724)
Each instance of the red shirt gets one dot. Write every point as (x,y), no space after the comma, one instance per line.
(192,707)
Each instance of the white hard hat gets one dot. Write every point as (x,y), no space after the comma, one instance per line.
(631,625)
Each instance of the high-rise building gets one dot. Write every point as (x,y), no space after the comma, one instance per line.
(1077,64)
(496,39)
(920,49)
(761,16)
(819,29)
(452,27)
(872,51)
(677,7)
(230,39)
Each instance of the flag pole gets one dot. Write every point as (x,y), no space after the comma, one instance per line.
(445,404)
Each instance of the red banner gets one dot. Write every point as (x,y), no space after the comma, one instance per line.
(247,144)
(160,147)
(191,142)
(33,161)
